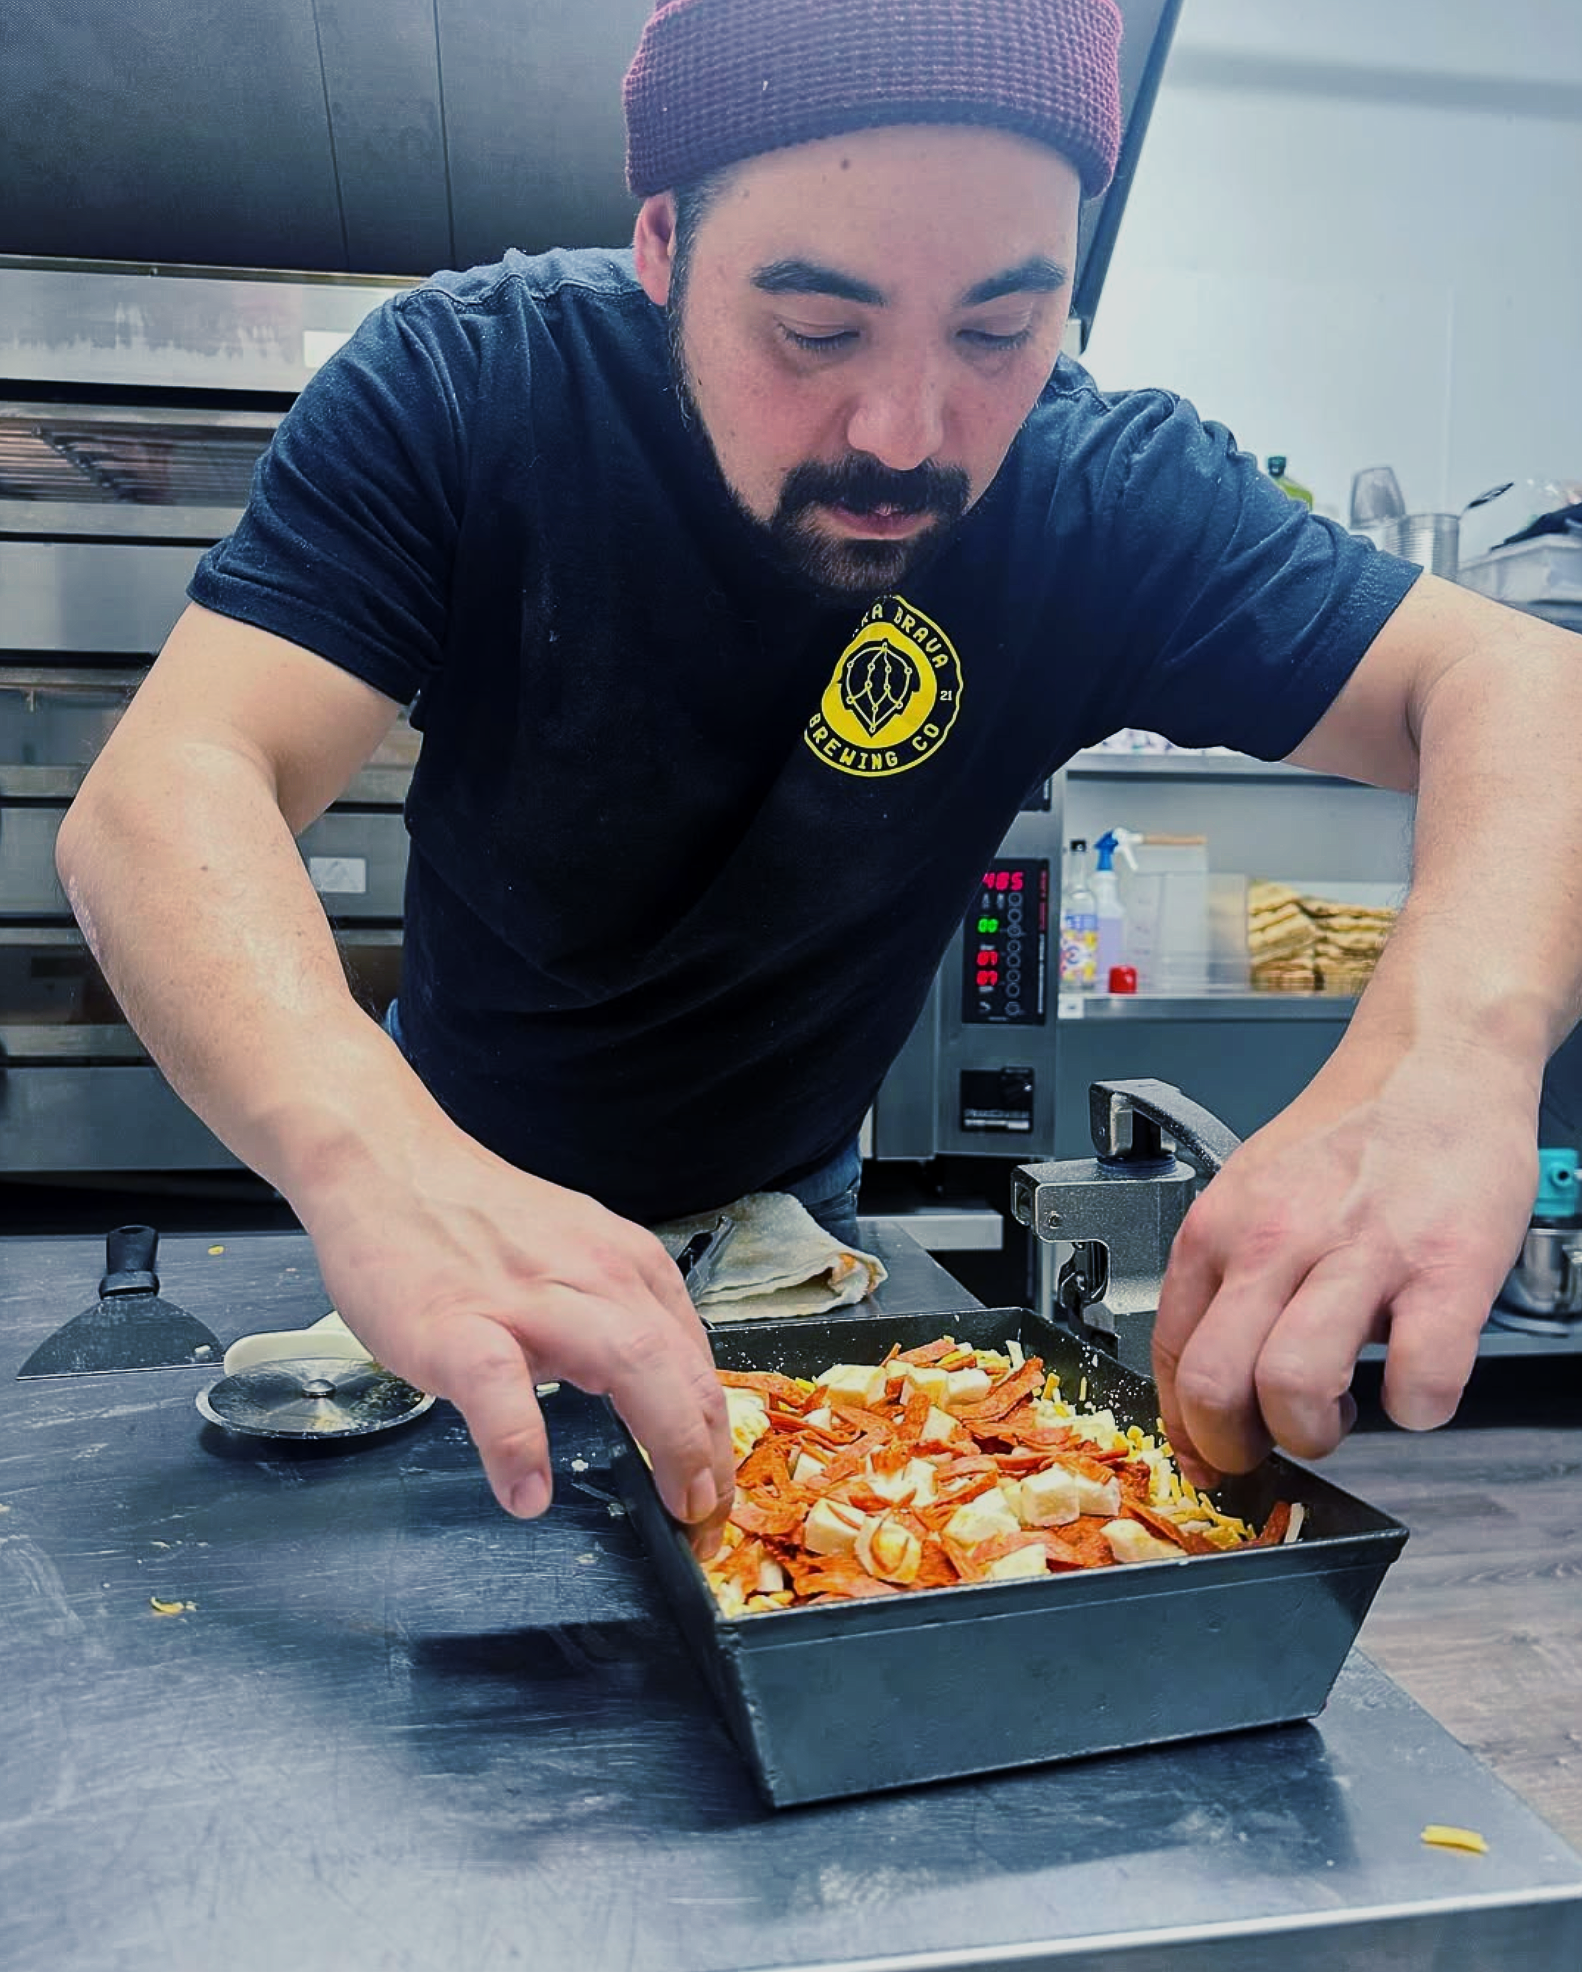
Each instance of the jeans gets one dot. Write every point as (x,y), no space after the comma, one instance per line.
(828,1195)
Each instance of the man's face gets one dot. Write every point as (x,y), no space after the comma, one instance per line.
(863,326)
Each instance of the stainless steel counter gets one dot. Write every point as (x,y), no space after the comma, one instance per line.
(390,1727)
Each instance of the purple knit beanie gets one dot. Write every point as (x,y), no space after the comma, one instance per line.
(715,81)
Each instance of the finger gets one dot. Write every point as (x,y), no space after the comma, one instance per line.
(1433,1347)
(706,1537)
(1214,1385)
(650,1273)
(1191,1281)
(667,1394)
(480,1366)
(662,1277)
(1304,1370)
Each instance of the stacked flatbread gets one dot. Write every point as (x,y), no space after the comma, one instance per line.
(1298,943)
(1280,940)
(1350,939)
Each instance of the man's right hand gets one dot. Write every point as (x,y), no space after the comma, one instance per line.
(484,1281)
(464,1275)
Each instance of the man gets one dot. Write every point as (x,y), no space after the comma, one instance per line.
(741,589)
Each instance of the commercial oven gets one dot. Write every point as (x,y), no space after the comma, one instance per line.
(212,208)
(135,405)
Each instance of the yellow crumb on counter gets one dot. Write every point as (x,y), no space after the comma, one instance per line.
(1439,1836)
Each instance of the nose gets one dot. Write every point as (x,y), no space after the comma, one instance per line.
(898,416)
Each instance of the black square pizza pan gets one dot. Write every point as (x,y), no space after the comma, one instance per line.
(844,1698)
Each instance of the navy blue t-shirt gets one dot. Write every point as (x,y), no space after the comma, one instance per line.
(687,843)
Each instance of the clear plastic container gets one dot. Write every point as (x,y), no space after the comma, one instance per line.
(1545,570)
(1186,930)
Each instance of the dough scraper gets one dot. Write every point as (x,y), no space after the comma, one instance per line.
(129,1326)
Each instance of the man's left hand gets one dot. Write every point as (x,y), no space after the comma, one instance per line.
(1386,1204)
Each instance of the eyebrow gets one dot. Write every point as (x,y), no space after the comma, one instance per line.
(808,277)
(1035,275)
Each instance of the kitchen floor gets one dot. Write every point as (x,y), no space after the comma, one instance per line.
(1481,1618)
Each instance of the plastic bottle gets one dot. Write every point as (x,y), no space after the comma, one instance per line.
(1290,487)
(1109,910)
(1079,924)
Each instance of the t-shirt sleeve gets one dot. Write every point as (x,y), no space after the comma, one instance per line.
(1231,614)
(348,538)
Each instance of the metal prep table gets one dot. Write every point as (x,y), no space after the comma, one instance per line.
(396,1729)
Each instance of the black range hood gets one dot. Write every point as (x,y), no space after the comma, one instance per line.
(387,137)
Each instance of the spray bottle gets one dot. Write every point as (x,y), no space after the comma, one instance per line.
(1110,911)
(1078,924)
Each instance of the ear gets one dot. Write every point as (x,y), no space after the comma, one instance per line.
(654,245)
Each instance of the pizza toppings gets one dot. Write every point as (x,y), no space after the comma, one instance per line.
(943,1465)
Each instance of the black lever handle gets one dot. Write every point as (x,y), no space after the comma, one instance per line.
(1127,1120)
(129,1254)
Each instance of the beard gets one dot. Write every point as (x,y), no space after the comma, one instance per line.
(837,568)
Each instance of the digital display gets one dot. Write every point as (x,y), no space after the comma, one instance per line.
(1005,944)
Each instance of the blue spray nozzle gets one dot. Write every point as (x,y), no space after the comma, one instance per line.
(1106,845)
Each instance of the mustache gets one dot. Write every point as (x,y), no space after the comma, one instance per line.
(862,484)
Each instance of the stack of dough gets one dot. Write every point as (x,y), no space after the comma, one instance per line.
(1350,939)
(1280,940)
(1303,944)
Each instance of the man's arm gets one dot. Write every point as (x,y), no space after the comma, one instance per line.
(1389,1200)
(472,1279)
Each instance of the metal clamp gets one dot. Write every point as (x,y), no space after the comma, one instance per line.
(1122,1208)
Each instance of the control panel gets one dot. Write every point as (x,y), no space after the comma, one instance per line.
(1005,946)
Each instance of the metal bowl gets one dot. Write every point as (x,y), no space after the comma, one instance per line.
(1547,1279)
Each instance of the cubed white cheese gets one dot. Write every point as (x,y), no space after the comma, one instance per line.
(832,1527)
(965,1387)
(1130,1541)
(1029,1560)
(808,1470)
(771,1577)
(1055,1497)
(939,1427)
(1099,1428)
(1098,1495)
(864,1381)
(889,1551)
(926,1378)
(749,1420)
(914,1483)
(982,1518)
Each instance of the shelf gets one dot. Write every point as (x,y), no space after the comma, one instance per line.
(1095,765)
(1497,1341)
(379,785)
(1206,1006)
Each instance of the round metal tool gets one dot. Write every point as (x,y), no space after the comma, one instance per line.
(312,1397)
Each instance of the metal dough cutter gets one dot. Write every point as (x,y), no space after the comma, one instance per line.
(312,1397)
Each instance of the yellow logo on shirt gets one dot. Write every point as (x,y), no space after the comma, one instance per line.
(894,695)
